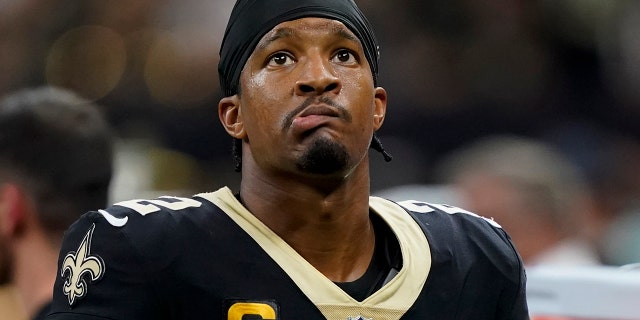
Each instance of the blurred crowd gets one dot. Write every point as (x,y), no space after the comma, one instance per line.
(563,75)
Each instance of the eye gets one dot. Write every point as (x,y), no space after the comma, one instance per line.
(344,56)
(280,59)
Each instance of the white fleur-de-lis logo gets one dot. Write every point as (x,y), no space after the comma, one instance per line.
(359,317)
(78,264)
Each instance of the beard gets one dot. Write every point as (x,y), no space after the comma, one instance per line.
(324,156)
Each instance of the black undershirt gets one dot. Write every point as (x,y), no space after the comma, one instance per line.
(386,261)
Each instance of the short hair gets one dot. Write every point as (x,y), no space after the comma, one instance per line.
(59,148)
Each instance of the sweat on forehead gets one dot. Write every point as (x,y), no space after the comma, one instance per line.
(250,20)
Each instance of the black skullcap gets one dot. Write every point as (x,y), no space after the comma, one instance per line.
(252,19)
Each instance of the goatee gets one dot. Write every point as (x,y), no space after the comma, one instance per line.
(324,156)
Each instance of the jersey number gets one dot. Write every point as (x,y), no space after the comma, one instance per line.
(144,207)
(423,207)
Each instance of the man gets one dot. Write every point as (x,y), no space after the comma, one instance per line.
(538,196)
(55,163)
(301,239)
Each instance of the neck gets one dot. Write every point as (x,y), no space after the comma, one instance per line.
(35,271)
(328,226)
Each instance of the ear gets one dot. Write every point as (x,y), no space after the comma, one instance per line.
(231,117)
(380,107)
(13,209)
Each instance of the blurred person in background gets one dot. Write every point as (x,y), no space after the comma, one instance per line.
(609,161)
(488,67)
(55,163)
(532,191)
(616,225)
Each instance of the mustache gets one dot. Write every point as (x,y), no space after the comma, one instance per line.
(342,111)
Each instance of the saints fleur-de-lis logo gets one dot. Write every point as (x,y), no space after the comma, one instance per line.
(359,317)
(79,264)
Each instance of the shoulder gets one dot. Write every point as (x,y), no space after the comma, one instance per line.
(138,233)
(139,229)
(450,228)
(143,225)
(426,212)
(131,244)
(472,250)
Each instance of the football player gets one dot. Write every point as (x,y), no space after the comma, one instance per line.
(302,238)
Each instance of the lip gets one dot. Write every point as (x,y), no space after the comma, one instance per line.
(313,117)
(318,110)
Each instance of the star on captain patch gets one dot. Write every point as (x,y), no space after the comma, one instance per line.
(79,264)
(359,318)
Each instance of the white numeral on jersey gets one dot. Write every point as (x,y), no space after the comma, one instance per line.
(416,206)
(423,207)
(145,207)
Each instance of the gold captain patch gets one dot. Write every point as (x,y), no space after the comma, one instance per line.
(243,309)
(78,264)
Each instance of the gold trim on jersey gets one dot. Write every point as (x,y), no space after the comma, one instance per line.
(388,303)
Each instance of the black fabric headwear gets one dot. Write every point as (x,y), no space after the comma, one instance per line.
(252,19)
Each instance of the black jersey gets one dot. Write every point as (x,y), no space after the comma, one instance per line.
(207,257)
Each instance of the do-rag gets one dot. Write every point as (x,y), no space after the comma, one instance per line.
(250,20)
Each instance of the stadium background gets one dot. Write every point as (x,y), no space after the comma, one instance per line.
(566,72)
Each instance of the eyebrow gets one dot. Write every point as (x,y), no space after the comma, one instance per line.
(278,34)
(344,34)
(288,32)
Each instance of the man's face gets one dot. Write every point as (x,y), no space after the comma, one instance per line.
(308,101)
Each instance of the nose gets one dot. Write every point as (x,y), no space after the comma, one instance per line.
(317,77)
